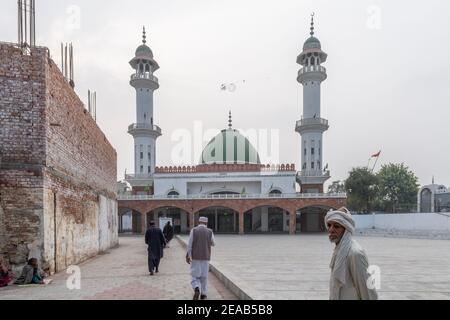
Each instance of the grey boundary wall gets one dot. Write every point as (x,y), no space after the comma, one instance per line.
(410,225)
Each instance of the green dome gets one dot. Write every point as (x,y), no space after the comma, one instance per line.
(312,43)
(230,147)
(144,50)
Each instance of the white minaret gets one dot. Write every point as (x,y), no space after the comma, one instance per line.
(144,131)
(312,126)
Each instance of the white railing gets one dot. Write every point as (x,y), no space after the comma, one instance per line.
(138,176)
(312,69)
(235,196)
(312,121)
(145,76)
(313,173)
(146,126)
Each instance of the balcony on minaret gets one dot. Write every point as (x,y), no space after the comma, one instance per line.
(144,80)
(313,176)
(312,125)
(146,76)
(144,129)
(312,73)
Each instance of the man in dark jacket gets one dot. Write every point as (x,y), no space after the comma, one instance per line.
(155,241)
(168,233)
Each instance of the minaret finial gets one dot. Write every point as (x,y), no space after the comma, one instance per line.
(144,37)
(230,121)
(312,24)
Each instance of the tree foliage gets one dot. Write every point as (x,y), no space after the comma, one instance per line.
(337,187)
(361,187)
(393,189)
(398,186)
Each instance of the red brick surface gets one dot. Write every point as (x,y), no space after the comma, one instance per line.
(241,206)
(50,148)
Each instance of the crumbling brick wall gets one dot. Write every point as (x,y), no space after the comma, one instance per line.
(57,169)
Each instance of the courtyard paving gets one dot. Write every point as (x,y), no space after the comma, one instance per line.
(122,274)
(297,267)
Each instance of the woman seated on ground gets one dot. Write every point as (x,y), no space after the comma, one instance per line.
(5,274)
(31,274)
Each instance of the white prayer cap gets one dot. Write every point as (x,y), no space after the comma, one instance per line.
(203,220)
(343,217)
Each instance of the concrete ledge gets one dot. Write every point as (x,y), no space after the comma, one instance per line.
(230,285)
(408,234)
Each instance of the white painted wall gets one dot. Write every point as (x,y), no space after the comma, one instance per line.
(410,221)
(253,182)
(127,220)
(108,224)
(311,99)
(251,187)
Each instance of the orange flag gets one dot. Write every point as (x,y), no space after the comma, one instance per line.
(376,155)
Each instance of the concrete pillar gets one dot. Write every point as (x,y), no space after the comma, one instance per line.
(144,223)
(191,221)
(241,223)
(184,221)
(216,220)
(292,222)
(156,218)
(264,219)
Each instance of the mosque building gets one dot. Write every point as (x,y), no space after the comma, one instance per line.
(230,185)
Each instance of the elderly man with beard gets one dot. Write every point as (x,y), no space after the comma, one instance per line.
(349,264)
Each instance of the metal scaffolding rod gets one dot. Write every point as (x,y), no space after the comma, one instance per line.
(26,24)
(92,104)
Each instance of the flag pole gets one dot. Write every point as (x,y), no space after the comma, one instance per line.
(373,169)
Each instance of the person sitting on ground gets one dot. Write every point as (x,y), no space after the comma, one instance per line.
(31,274)
(5,274)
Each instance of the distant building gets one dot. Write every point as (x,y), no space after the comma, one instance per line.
(434,198)
(230,185)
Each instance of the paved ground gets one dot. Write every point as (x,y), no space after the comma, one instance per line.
(296,267)
(123,274)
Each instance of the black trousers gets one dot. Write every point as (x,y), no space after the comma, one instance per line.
(153,262)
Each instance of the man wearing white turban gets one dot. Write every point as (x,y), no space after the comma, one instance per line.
(349,264)
(198,256)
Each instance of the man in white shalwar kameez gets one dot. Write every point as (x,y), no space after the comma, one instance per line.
(198,256)
(350,278)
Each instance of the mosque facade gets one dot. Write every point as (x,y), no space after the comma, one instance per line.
(230,185)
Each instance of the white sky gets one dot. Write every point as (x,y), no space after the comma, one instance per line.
(387,88)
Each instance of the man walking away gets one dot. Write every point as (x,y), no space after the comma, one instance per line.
(168,233)
(198,256)
(154,239)
(349,264)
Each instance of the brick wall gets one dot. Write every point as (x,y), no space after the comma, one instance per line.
(57,170)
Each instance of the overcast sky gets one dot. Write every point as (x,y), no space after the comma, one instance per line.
(388,68)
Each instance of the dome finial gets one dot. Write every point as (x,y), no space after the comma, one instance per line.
(312,24)
(144,37)
(230,121)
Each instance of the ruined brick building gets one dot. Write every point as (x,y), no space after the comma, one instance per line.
(57,170)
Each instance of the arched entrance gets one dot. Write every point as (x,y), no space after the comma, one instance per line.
(130,221)
(220,219)
(425,200)
(180,218)
(312,219)
(266,219)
